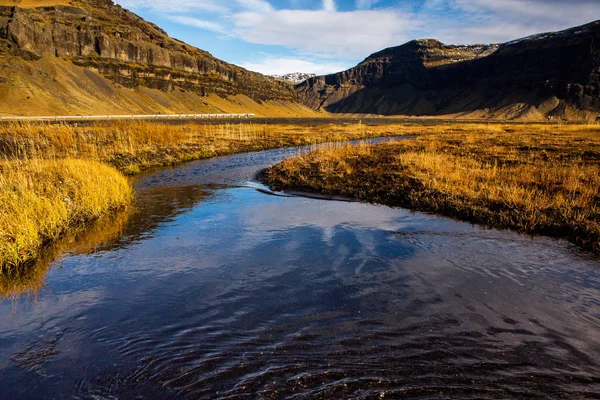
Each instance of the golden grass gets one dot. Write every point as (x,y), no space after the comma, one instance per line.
(40,200)
(132,146)
(536,178)
(531,178)
(54,177)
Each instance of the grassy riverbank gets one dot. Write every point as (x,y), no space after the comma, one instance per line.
(133,146)
(54,178)
(535,179)
(40,200)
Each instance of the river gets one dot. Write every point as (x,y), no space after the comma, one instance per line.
(215,288)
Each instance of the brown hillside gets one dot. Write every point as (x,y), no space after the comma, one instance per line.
(93,57)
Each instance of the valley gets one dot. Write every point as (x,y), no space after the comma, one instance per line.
(425,224)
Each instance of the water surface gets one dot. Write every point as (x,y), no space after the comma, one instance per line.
(214,289)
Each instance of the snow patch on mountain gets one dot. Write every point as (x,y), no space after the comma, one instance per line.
(295,77)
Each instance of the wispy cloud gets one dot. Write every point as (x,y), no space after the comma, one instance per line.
(534,11)
(280,66)
(338,33)
(329,5)
(256,5)
(487,21)
(325,33)
(365,4)
(174,6)
(198,23)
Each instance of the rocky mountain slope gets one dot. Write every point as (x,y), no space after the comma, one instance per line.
(548,75)
(99,50)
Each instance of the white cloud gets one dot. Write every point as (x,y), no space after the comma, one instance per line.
(344,35)
(174,6)
(281,66)
(492,21)
(338,36)
(197,23)
(329,5)
(534,11)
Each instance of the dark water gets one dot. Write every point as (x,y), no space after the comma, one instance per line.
(213,289)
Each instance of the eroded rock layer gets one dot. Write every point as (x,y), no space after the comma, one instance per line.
(549,75)
(109,40)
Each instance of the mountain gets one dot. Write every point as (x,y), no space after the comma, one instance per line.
(92,56)
(548,75)
(295,77)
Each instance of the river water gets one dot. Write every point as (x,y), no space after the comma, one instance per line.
(213,288)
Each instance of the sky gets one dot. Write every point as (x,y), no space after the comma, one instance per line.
(325,36)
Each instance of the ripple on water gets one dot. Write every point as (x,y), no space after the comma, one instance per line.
(216,290)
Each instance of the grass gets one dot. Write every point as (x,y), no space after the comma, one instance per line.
(133,146)
(531,178)
(41,200)
(18,281)
(57,177)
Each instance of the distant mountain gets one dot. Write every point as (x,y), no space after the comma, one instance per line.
(295,77)
(548,75)
(94,56)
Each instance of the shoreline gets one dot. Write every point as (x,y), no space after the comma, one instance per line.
(45,200)
(115,151)
(132,147)
(439,176)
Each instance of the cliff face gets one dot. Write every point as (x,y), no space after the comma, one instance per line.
(410,64)
(117,44)
(543,75)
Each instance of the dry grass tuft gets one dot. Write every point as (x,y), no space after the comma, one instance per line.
(535,179)
(40,200)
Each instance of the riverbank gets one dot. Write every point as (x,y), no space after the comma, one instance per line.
(134,146)
(57,177)
(533,179)
(41,200)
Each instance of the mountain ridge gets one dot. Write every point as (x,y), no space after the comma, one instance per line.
(61,56)
(97,44)
(549,75)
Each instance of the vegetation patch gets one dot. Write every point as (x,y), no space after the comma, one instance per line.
(534,179)
(133,146)
(41,200)
(57,177)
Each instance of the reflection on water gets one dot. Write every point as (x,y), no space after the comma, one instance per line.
(153,208)
(212,289)
(29,281)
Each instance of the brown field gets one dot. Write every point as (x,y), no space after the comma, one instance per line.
(132,146)
(531,178)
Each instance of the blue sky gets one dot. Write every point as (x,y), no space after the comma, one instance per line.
(323,36)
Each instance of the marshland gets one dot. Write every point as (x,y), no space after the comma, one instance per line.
(533,178)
